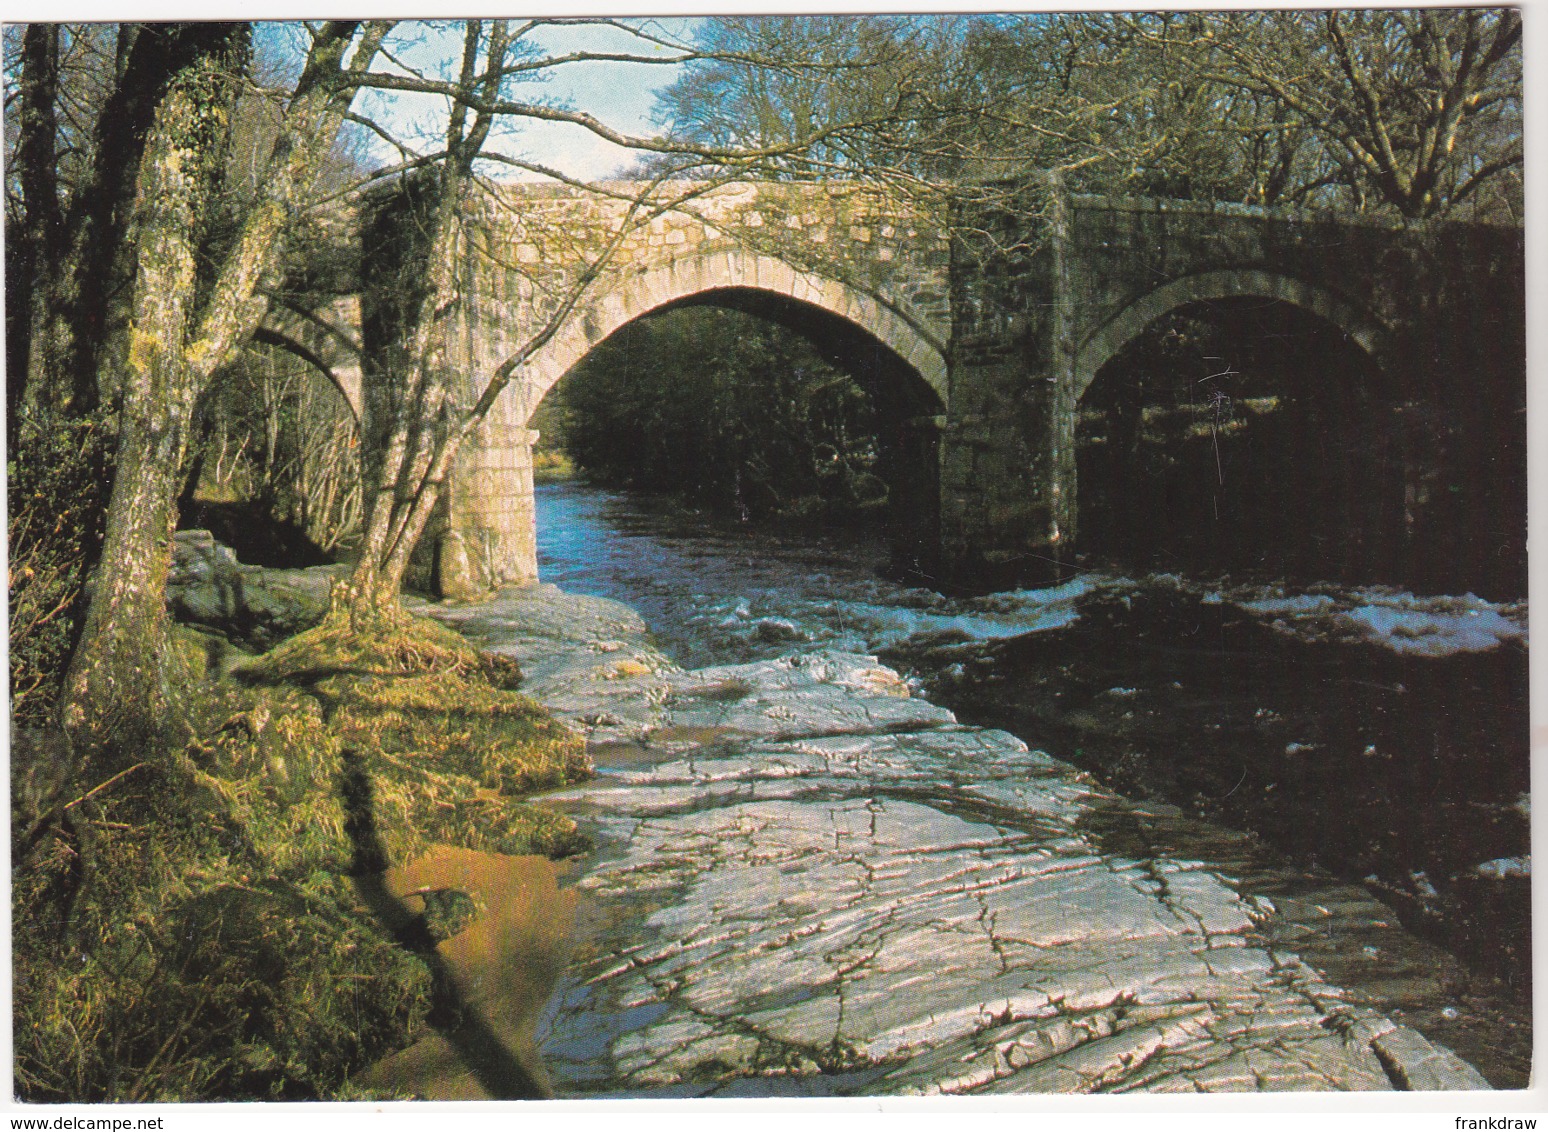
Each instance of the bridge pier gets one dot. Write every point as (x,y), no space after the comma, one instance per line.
(1008,499)
(1002,493)
(488,537)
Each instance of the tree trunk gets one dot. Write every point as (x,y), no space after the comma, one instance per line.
(426,429)
(90,310)
(416,432)
(31,267)
(118,687)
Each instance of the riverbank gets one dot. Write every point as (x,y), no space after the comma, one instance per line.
(808,881)
(206,917)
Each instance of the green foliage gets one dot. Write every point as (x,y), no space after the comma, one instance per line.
(58,479)
(727,410)
(551,466)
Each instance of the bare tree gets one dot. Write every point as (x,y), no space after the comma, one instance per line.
(850,95)
(1418,110)
(1415,111)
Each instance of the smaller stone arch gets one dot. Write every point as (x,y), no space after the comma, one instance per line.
(1103,345)
(632,296)
(346,380)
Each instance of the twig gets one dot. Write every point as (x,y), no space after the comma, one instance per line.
(98,789)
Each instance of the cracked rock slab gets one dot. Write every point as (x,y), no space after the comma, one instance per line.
(813,883)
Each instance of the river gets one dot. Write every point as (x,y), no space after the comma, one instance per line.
(1302,740)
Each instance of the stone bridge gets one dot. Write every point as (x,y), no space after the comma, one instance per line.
(978,336)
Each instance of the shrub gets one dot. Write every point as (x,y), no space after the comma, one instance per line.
(58,496)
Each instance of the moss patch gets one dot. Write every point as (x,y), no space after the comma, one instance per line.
(386,645)
(434,742)
(192,929)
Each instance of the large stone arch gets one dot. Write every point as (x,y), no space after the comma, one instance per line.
(1212,286)
(634,295)
(346,381)
(490,536)
(327,338)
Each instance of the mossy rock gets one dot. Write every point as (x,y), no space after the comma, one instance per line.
(447,912)
(442,724)
(386,646)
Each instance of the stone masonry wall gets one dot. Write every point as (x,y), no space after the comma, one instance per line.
(1439,308)
(1006,325)
(870,259)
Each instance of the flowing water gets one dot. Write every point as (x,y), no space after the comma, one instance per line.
(1320,747)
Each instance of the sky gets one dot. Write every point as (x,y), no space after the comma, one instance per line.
(622,95)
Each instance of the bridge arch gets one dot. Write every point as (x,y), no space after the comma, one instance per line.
(345,383)
(1240,422)
(1214,286)
(723,273)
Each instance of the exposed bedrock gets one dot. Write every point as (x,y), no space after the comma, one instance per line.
(809,882)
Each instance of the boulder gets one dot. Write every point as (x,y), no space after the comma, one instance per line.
(249,605)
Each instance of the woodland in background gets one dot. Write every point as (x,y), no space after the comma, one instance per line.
(1408,113)
(724,409)
(276,471)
